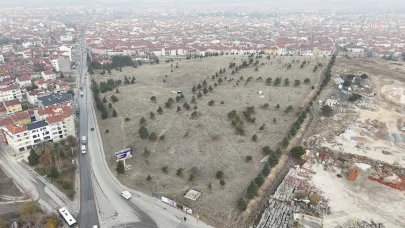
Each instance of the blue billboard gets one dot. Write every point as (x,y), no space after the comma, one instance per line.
(123,154)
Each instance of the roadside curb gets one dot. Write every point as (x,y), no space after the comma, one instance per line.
(15,201)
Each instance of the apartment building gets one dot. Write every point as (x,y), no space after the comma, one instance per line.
(32,96)
(52,124)
(10,92)
(24,81)
(12,106)
(48,75)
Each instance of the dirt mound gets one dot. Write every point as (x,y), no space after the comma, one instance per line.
(394,94)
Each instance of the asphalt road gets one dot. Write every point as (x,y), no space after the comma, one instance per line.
(131,213)
(88,211)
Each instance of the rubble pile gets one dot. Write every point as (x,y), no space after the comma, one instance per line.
(366,103)
(401,124)
(387,177)
(278,214)
(361,224)
(284,204)
(280,211)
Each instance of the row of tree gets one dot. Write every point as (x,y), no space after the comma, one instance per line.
(295,152)
(255,184)
(99,104)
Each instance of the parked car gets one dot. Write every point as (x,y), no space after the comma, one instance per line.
(83,139)
(83,149)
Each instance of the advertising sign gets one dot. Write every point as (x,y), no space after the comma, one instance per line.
(171,202)
(164,199)
(123,154)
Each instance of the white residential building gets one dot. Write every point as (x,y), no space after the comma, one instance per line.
(48,75)
(32,96)
(66,51)
(66,38)
(10,92)
(53,124)
(55,64)
(24,81)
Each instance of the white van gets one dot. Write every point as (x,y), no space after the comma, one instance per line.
(83,149)
(126,194)
(83,139)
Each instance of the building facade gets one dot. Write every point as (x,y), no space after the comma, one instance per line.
(52,124)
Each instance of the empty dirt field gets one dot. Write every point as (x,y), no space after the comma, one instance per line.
(207,143)
(375,132)
(372,132)
(8,190)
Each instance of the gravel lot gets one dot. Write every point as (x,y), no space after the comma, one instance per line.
(208,143)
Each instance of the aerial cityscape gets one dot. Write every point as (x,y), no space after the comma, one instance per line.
(202,114)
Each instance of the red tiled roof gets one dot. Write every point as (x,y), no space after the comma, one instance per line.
(19,116)
(11,102)
(35,92)
(63,110)
(40,82)
(16,129)
(6,121)
(48,72)
(54,119)
(31,112)
(2,109)
(24,78)
(10,87)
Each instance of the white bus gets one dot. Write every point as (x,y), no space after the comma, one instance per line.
(68,217)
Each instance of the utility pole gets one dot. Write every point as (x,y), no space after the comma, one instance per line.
(73,157)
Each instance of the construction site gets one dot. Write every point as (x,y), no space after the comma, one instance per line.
(353,173)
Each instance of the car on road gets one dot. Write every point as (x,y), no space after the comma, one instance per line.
(83,149)
(83,139)
(126,194)
(92,129)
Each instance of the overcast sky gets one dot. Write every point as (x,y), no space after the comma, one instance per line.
(296,4)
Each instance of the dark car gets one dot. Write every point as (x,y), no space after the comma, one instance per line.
(92,129)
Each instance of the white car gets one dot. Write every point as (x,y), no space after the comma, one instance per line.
(126,194)
(83,149)
(83,139)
